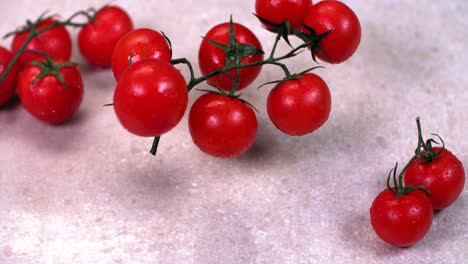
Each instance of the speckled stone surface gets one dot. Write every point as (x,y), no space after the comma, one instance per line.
(89,192)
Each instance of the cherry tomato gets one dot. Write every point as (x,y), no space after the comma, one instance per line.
(211,58)
(48,99)
(98,38)
(345,34)
(444,177)
(56,42)
(222,126)
(299,106)
(136,45)
(278,12)
(150,98)
(401,222)
(8,85)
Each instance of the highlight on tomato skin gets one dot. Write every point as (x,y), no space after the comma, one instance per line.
(401,222)
(211,57)
(280,11)
(136,45)
(56,42)
(98,38)
(299,106)
(8,85)
(444,177)
(222,126)
(150,98)
(343,40)
(48,99)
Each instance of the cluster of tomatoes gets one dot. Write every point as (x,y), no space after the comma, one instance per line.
(48,85)
(230,58)
(151,94)
(432,180)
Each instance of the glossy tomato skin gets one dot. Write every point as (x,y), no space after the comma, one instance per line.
(278,12)
(56,42)
(48,100)
(444,177)
(139,44)
(98,38)
(300,106)
(222,126)
(8,85)
(211,58)
(150,98)
(345,36)
(402,222)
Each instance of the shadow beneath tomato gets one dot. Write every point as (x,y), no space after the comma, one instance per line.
(12,104)
(52,139)
(358,235)
(264,146)
(145,182)
(76,119)
(9,116)
(449,224)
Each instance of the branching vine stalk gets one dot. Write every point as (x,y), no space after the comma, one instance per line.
(424,151)
(233,58)
(34,32)
(234,62)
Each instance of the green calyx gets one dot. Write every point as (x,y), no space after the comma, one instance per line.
(49,67)
(398,187)
(295,76)
(425,150)
(313,40)
(35,32)
(235,51)
(283,29)
(230,95)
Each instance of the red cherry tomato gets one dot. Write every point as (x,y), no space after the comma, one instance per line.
(136,45)
(211,58)
(8,85)
(401,222)
(98,38)
(278,12)
(299,106)
(150,98)
(345,28)
(444,177)
(56,42)
(222,126)
(48,100)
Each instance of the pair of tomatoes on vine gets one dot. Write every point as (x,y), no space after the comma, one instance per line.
(306,20)
(49,86)
(432,180)
(151,94)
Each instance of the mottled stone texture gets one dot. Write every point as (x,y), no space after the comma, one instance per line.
(88,191)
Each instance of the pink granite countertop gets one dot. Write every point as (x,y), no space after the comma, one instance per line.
(89,192)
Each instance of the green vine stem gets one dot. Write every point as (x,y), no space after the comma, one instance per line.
(32,27)
(235,64)
(49,67)
(398,186)
(424,151)
(194,81)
